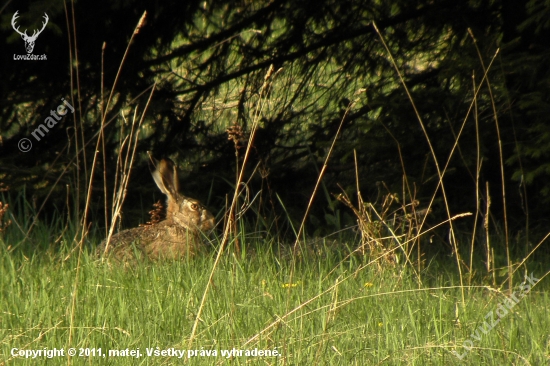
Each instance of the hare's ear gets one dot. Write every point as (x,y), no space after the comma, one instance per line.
(166,176)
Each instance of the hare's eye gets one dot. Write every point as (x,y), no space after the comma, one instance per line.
(194,207)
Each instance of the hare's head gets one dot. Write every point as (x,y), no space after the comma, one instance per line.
(183,211)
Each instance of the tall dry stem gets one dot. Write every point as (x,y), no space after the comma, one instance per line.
(262,100)
(440,174)
(84,221)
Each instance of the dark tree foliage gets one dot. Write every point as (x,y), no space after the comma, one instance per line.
(209,61)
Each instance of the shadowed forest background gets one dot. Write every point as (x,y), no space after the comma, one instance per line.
(208,62)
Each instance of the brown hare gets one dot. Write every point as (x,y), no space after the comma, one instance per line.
(179,235)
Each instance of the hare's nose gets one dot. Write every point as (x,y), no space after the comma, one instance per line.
(208,220)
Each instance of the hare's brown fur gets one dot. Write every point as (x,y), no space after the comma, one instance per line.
(179,235)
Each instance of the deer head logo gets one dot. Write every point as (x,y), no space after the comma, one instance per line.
(29,41)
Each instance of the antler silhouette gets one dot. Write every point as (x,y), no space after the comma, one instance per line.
(29,41)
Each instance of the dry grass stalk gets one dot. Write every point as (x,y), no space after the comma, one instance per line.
(3,223)
(156,214)
(3,210)
(230,216)
(383,229)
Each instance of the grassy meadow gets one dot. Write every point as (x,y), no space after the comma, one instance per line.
(385,294)
(370,298)
(322,305)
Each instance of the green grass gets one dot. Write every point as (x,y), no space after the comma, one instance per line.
(319,309)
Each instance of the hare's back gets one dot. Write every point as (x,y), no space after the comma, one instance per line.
(160,241)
